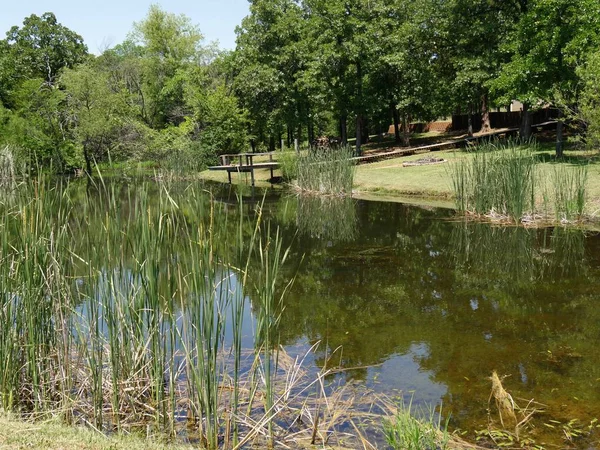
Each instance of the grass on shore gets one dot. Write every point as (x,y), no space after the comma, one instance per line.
(53,435)
(390,177)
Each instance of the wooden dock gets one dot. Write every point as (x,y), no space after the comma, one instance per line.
(244,163)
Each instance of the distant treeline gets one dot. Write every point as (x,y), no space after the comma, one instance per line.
(301,69)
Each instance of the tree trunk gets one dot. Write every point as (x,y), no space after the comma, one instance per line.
(470,122)
(359,126)
(272,143)
(344,130)
(88,161)
(365,132)
(396,116)
(311,127)
(485,114)
(405,131)
(559,134)
(525,129)
(253,145)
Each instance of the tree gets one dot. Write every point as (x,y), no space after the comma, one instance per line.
(269,61)
(98,111)
(406,73)
(41,48)
(547,45)
(589,107)
(168,43)
(219,121)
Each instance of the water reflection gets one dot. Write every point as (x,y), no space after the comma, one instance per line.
(403,299)
(326,219)
(517,257)
(478,298)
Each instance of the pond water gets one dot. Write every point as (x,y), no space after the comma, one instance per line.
(412,302)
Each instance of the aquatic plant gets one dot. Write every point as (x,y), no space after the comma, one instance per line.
(328,171)
(288,161)
(569,185)
(125,307)
(498,178)
(408,431)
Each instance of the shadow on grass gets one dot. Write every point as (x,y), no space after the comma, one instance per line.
(574,159)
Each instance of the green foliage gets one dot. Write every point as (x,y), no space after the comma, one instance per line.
(406,432)
(589,107)
(41,48)
(499,179)
(288,161)
(329,171)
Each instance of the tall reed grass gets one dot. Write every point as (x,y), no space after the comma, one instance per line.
(329,172)
(570,191)
(498,178)
(117,315)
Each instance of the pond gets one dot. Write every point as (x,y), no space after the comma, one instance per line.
(409,299)
(411,302)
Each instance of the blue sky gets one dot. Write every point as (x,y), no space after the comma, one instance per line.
(105,23)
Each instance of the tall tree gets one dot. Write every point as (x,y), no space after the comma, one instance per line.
(549,42)
(169,43)
(40,48)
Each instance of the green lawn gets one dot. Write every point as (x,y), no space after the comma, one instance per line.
(52,435)
(390,178)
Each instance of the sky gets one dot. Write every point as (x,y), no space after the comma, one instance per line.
(105,23)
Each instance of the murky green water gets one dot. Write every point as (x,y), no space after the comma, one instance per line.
(412,302)
(409,300)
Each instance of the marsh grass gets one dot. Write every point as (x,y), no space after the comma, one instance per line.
(288,160)
(328,172)
(124,308)
(570,193)
(498,179)
(502,181)
(407,430)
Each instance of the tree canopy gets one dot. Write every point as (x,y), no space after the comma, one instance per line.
(301,69)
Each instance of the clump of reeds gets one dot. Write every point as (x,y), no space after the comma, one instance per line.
(288,161)
(124,307)
(498,179)
(407,431)
(328,171)
(569,192)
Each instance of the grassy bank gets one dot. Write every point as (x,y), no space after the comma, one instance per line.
(390,180)
(54,435)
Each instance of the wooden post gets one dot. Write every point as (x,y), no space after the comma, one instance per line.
(252,169)
(229,175)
